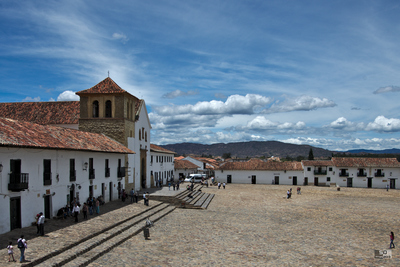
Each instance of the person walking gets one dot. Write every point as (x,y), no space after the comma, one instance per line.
(97,206)
(219,185)
(223,185)
(76,211)
(41,224)
(387,187)
(147,198)
(10,250)
(90,204)
(391,239)
(22,245)
(136,197)
(132,195)
(85,210)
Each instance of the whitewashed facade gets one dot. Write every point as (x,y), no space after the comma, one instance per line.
(62,186)
(161,165)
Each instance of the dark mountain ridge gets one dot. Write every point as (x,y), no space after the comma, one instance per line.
(248,149)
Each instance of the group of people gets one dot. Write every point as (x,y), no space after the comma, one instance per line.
(175,185)
(223,185)
(289,192)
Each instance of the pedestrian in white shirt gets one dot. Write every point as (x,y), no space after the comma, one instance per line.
(41,223)
(76,211)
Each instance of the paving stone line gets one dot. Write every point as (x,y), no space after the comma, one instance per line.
(58,251)
(90,256)
(108,234)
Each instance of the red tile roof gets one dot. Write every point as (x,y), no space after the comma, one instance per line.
(261,165)
(159,149)
(317,163)
(366,162)
(30,135)
(57,112)
(106,86)
(184,164)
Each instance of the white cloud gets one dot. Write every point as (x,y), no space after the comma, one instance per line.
(178,93)
(382,124)
(343,124)
(30,99)
(121,37)
(235,104)
(68,96)
(387,89)
(302,103)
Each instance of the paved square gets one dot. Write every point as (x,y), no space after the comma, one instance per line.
(254,225)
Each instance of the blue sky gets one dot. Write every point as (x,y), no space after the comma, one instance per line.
(324,73)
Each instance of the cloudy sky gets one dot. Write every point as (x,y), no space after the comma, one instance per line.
(324,73)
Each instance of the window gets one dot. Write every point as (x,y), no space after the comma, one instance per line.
(95,109)
(330,169)
(145,136)
(107,169)
(140,135)
(72,171)
(91,169)
(308,169)
(108,109)
(46,172)
(328,179)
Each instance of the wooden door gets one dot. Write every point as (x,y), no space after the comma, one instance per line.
(15,213)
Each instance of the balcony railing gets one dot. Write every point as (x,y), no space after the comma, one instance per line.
(91,174)
(47,178)
(379,174)
(320,172)
(72,175)
(342,173)
(18,181)
(361,174)
(121,172)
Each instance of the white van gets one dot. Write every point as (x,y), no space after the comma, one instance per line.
(195,177)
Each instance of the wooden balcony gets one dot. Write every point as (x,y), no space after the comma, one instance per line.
(18,181)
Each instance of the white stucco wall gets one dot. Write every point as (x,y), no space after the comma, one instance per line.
(32,200)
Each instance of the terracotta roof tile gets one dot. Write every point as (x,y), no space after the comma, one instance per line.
(366,162)
(26,134)
(105,86)
(318,163)
(57,112)
(261,165)
(159,149)
(184,164)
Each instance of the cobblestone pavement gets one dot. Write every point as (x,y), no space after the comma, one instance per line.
(254,225)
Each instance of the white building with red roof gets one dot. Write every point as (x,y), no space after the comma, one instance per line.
(42,166)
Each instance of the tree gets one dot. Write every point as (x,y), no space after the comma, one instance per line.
(310,155)
(226,155)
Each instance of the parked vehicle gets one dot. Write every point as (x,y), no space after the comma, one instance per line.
(195,178)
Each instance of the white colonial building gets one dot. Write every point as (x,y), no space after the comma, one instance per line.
(343,172)
(161,165)
(42,168)
(256,171)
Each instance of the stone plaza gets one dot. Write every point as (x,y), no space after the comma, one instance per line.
(248,225)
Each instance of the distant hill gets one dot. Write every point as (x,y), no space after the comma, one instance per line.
(384,151)
(248,149)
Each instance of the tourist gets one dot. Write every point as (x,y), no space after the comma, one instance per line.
(37,223)
(391,239)
(123,195)
(177,185)
(76,211)
(85,210)
(219,185)
(223,185)
(10,251)
(173,185)
(22,245)
(97,206)
(132,195)
(288,194)
(136,196)
(41,224)
(169,185)
(387,187)
(90,204)
(147,198)
(298,190)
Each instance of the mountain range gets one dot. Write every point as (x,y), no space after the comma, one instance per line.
(261,148)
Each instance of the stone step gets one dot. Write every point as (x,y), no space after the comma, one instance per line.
(208,201)
(201,200)
(92,255)
(63,255)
